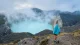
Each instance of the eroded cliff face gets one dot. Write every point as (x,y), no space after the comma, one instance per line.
(4,28)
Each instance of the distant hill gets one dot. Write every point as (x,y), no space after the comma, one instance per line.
(15,36)
(70,28)
(69,19)
(44,32)
(4,29)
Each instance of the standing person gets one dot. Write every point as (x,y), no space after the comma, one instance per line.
(56,23)
(56,31)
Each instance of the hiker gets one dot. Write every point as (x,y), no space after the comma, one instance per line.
(56,30)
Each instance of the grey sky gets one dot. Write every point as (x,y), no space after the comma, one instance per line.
(63,5)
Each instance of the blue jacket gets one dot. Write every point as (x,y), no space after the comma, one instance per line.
(56,29)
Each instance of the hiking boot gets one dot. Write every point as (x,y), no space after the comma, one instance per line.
(58,41)
(55,41)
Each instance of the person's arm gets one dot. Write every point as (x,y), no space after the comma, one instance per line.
(59,29)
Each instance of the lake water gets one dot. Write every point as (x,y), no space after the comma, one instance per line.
(30,26)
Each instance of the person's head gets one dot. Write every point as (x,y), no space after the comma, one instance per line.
(56,21)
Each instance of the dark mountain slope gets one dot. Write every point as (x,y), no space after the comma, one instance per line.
(69,19)
(44,32)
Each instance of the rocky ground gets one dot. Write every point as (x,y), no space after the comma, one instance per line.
(64,39)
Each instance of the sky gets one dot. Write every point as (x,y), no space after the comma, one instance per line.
(62,5)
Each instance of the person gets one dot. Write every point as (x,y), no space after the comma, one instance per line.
(56,31)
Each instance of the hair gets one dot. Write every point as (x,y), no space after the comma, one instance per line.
(57,22)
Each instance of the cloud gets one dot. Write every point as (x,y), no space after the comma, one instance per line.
(23,6)
(2,11)
(62,5)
